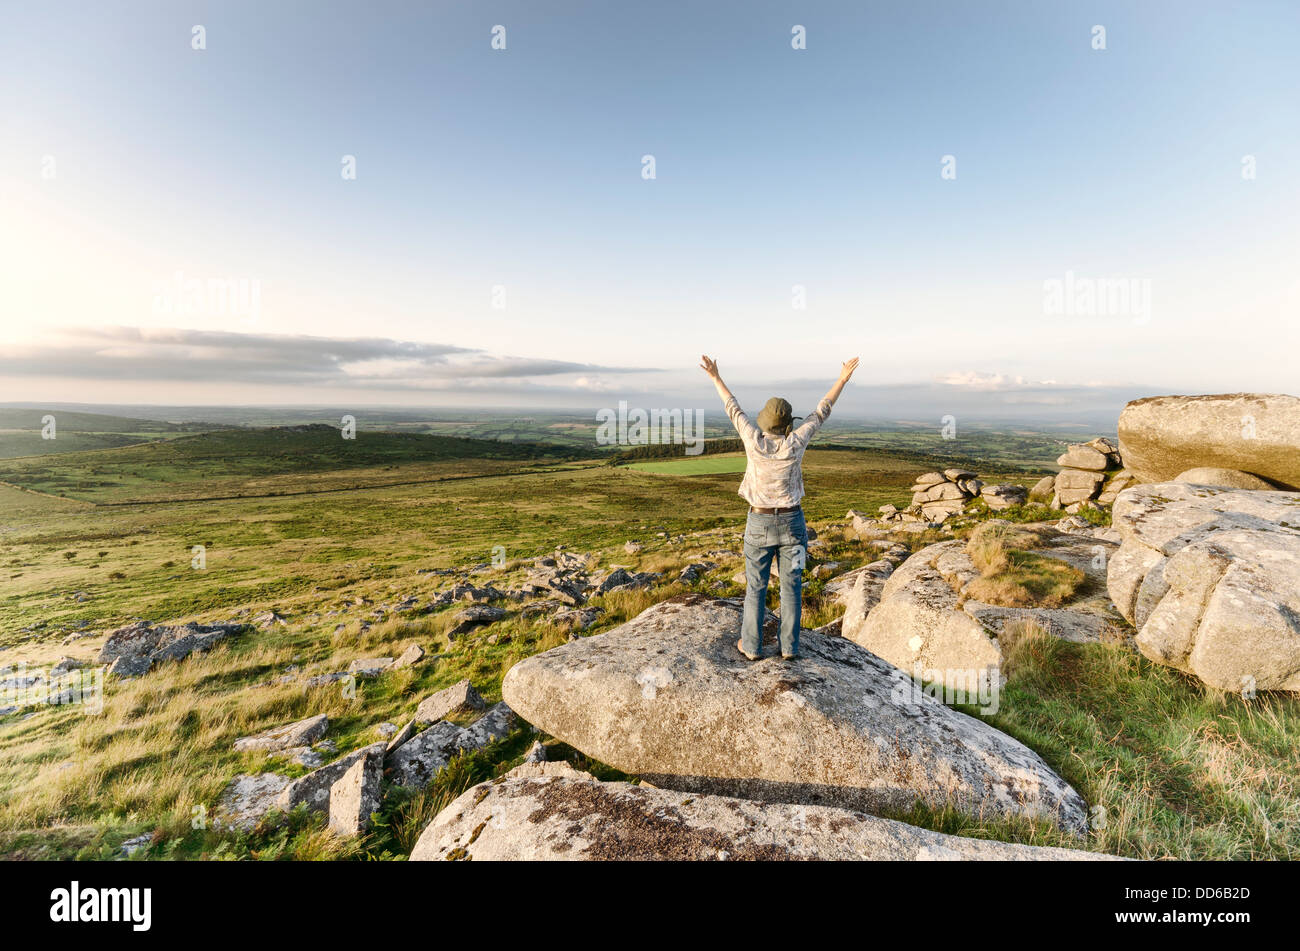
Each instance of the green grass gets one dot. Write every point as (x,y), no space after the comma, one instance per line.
(1170,768)
(1180,771)
(698,465)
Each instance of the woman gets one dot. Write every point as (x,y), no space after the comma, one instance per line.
(773,486)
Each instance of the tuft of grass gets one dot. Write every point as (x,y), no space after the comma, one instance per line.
(1013,577)
(1169,769)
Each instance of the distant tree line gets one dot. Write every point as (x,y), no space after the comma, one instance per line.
(671,451)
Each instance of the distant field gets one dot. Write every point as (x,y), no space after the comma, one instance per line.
(693,465)
(1012,447)
(14,444)
(237,462)
(24,432)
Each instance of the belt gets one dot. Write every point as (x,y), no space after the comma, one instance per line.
(776,511)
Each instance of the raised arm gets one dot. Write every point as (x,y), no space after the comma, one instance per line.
(745,427)
(845,372)
(711,368)
(813,421)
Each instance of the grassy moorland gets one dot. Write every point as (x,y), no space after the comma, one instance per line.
(1177,770)
(23,431)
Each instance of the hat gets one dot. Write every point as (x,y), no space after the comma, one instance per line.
(775,417)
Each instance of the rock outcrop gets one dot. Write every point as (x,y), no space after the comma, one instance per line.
(133,650)
(938,495)
(1004,495)
(928,625)
(1251,432)
(1210,577)
(557,813)
(473,617)
(419,759)
(1090,472)
(668,697)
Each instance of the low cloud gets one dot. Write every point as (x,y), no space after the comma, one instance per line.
(991,381)
(177,355)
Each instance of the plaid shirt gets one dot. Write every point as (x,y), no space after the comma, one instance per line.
(773,475)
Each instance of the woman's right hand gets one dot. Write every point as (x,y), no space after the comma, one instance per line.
(710,367)
(847,370)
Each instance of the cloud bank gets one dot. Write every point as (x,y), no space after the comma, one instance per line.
(179,355)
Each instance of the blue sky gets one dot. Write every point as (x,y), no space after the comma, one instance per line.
(521,168)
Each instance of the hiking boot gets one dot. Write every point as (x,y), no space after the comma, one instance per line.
(747,656)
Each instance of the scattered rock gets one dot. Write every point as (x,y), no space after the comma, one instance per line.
(476,616)
(302,733)
(313,790)
(536,753)
(695,571)
(578,619)
(369,666)
(419,759)
(1043,488)
(67,665)
(302,755)
(141,645)
(623,580)
(247,799)
(321,680)
(544,606)
(127,666)
(866,528)
(410,657)
(132,846)
(355,795)
(460,697)
(402,735)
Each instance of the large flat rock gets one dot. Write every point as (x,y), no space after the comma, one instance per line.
(668,697)
(1210,577)
(1258,433)
(567,815)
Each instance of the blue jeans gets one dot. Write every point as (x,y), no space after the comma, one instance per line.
(784,537)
